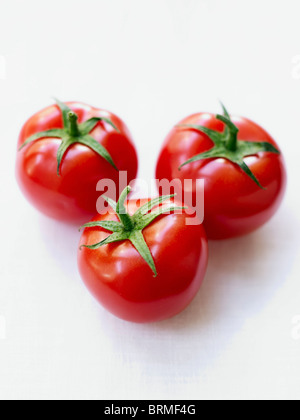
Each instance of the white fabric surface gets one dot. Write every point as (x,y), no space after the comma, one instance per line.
(152,62)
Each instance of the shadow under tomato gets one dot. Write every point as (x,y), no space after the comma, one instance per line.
(243,276)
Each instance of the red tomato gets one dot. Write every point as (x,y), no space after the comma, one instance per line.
(71,195)
(121,280)
(234,204)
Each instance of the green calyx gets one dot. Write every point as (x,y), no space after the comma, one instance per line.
(73,133)
(227,146)
(131,227)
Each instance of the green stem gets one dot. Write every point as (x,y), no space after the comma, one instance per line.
(73,125)
(232,139)
(124,217)
(228,146)
(130,228)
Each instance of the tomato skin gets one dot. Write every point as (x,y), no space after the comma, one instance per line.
(72,196)
(124,284)
(234,204)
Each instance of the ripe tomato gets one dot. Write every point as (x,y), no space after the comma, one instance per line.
(58,170)
(151,266)
(244,172)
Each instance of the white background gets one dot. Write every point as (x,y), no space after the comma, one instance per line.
(152,62)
